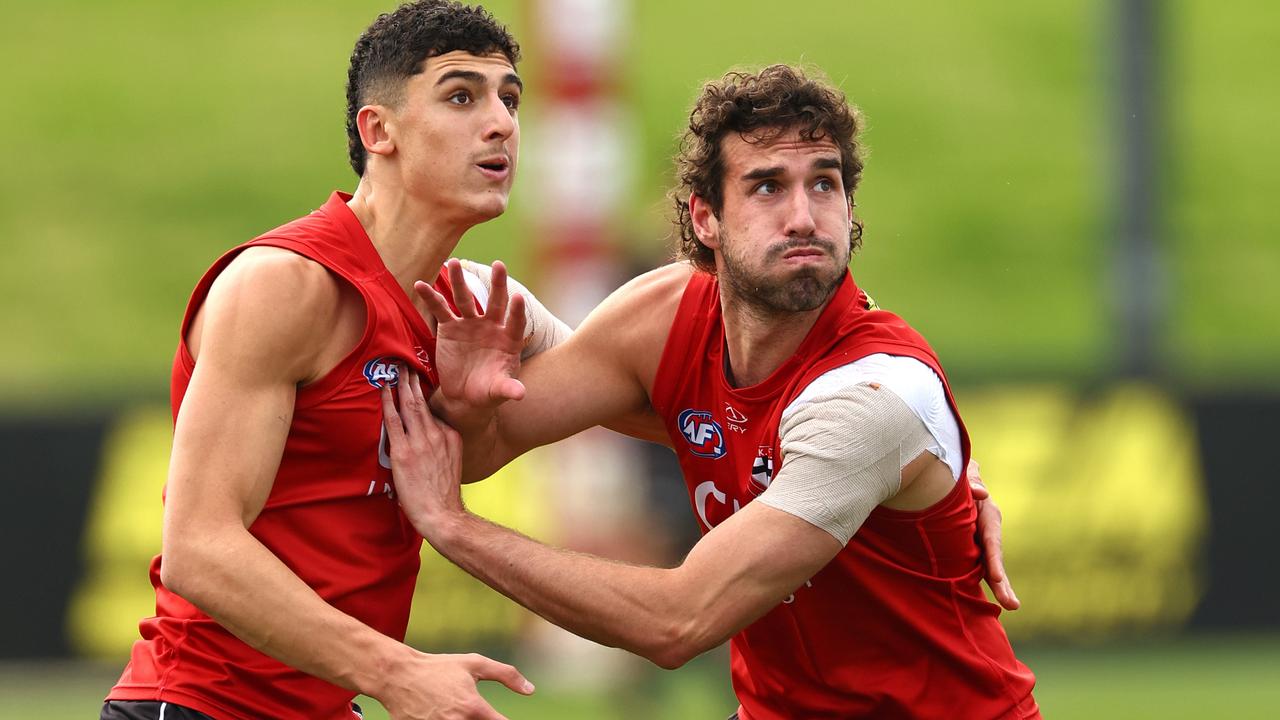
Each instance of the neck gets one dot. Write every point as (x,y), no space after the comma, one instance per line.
(412,239)
(759,341)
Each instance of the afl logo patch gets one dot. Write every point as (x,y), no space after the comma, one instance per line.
(705,437)
(382,371)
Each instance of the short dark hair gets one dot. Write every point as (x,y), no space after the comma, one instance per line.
(396,46)
(758,106)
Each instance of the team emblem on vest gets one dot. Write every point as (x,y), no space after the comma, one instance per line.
(762,469)
(382,371)
(705,437)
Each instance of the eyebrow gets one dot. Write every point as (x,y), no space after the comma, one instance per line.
(479,78)
(762,173)
(822,163)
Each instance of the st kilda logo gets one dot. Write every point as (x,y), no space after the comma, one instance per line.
(762,470)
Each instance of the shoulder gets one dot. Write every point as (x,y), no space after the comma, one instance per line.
(908,378)
(630,327)
(270,304)
(645,304)
(909,391)
(662,286)
(264,268)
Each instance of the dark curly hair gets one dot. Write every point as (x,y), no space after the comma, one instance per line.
(397,44)
(758,106)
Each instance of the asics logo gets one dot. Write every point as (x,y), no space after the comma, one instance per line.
(382,371)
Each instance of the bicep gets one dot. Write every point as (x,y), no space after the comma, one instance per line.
(571,387)
(260,334)
(598,375)
(228,440)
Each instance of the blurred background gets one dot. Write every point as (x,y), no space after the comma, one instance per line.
(1074,201)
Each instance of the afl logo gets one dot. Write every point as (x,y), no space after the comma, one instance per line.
(705,437)
(382,371)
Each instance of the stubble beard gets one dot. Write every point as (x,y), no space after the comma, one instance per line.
(808,289)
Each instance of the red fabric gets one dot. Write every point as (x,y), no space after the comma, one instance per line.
(897,625)
(330,516)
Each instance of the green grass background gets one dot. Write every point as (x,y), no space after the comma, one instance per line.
(142,138)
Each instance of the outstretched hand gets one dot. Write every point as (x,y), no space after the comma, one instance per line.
(428,687)
(989,523)
(477,353)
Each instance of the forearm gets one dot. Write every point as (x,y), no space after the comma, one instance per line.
(648,611)
(484,452)
(232,577)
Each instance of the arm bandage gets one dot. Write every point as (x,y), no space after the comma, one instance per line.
(542,330)
(843,454)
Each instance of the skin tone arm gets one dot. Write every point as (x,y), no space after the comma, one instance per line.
(598,376)
(267,322)
(593,378)
(669,616)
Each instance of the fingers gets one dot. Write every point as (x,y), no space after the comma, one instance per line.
(462,297)
(973,471)
(414,420)
(482,668)
(990,523)
(412,404)
(516,319)
(423,420)
(980,491)
(505,389)
(435,302)
(391,418)
(993,550)
(497,305)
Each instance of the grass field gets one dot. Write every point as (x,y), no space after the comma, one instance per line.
(145,137)
(1198,677)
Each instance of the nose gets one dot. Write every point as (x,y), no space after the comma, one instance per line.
(500,124)
(799,221)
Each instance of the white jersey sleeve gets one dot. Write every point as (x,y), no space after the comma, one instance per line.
(847,436)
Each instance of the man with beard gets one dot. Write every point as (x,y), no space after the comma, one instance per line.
(821,447)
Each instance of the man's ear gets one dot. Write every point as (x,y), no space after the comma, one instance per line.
(376,123)
(706,226)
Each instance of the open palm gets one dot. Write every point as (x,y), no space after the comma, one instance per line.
(477,353)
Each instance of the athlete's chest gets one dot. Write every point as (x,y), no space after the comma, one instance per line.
(728,450)
(337,445)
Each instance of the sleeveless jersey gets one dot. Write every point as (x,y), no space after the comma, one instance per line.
(896,625)
(331,515)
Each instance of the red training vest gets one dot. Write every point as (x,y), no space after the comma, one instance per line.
(331,515)
(896,625)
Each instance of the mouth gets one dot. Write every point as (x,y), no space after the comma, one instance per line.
(495,168)
(803,252)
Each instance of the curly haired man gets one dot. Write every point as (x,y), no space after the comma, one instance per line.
(823,453)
